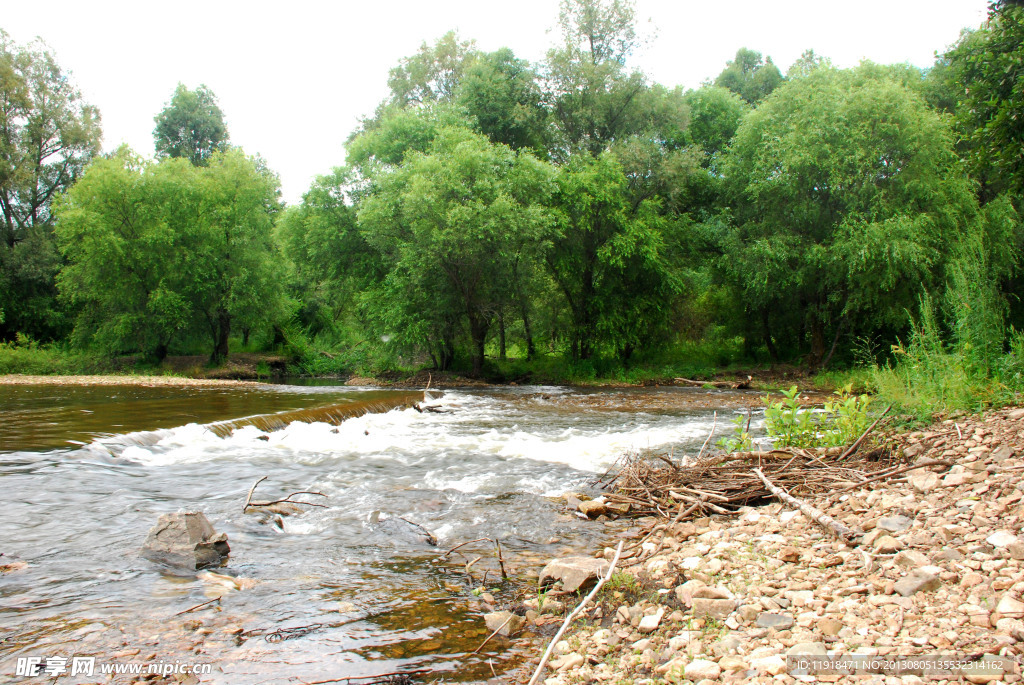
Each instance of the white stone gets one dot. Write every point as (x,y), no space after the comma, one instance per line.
(701,669)
(1001,539)
(690,563)
(1010,607)
(648,624)
(772,665)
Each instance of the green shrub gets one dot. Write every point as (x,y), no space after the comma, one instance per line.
(839,422)
(26,356)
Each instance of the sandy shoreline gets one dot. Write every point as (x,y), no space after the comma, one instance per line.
(149,381)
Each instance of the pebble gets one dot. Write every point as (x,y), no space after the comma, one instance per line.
(701,669)
(648,624)
(777,621)
(895,524)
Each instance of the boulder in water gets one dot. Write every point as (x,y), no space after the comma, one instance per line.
(185,540)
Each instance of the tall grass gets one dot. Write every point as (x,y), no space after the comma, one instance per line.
(26,356)
(969,372)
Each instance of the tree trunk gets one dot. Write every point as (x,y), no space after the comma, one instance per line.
(817,331)
(531,351)
(478,332)
(220,349)
(773,353)
(160,352)
(502,351)
(245,336)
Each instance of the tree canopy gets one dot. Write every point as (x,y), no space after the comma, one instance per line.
(750,76)
(191,126)
(157,250)
(847,197)
(48,134)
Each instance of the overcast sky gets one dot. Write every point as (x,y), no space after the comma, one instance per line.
(294,77)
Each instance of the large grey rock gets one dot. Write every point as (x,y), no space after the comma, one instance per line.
(574,572)
(186,541)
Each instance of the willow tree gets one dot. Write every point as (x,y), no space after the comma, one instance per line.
(450,223)
(847,197)
(156,250)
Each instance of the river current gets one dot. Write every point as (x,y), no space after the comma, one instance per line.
(86,471)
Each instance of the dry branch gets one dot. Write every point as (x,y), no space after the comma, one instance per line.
(288,499)
(576,612)
(816,515)
(855,446)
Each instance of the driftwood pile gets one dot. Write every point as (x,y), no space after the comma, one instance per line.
(674,490)
(720,484)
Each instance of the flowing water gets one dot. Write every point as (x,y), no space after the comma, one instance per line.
(86,471)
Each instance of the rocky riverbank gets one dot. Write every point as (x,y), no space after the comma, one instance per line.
(938,571)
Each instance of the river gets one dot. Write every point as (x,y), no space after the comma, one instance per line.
(86,470)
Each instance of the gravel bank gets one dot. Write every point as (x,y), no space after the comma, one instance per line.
(939,571)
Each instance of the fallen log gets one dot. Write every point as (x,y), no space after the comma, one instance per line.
(729,385)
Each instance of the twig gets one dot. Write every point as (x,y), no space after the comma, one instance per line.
(855,446)
(667,461)
(816,515)
(197,606)
(469,565)
(496,631)
(468,542)
(501,560)
(248,500)
(714,425)
(890,474)
(293,501)
(571,617)
(430,536)
(250,503)
(379,678)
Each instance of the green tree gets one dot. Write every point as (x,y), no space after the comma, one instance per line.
(123,229)
(715,114)
(595,100)
(238,269)
(450,224)
(750,76)
(48,134)
(330,256)
(157,250)
(502,93)
(610,258)
(987,65)
(847,198)
(191,125)
(431,75)
(807,62)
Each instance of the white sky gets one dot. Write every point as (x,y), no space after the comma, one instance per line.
(294,77)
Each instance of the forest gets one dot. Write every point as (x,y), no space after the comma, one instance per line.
(567,220)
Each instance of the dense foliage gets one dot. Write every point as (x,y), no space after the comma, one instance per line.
(496,216)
